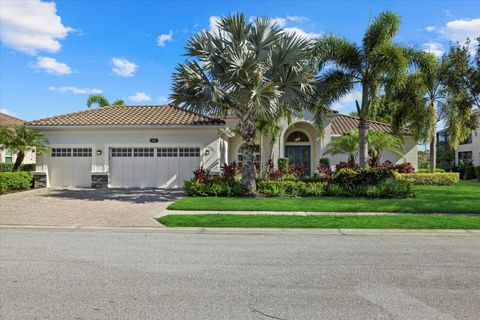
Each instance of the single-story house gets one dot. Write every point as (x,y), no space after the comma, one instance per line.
(5,155)
(161,145)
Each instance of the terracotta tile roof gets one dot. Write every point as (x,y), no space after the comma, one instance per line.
(161,115)
(7,120)
(342,124)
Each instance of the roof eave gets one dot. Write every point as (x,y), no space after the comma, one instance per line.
(195,126)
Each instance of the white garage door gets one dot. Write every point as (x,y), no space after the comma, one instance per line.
(70,167)
(152,167)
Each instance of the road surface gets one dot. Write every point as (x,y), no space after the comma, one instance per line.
(54,274)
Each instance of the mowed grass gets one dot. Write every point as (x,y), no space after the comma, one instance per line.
(461,198)
(329,221)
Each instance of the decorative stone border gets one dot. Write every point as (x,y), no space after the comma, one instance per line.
(100,180)
(39,180)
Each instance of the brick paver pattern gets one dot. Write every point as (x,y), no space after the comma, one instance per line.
(86,207)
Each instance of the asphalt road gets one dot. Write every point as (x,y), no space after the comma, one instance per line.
(131,275)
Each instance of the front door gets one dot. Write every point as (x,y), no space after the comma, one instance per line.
(298,155)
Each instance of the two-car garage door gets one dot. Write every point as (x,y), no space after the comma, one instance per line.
(152,167)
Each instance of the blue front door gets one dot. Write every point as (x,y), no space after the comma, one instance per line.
(298,155)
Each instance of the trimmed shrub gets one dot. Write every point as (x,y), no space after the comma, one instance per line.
(10,181)
(290,188)
(439,179)
(282,164)
(214,188)
(349,178)
(7,167)
(437,170)
(324,163)
(477,172)
(469,172)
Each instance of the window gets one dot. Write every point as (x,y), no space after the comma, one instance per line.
(143,152)
(167,152)
(189,152)
(256,155)
(121,152)
(297,136)
(81,152)
(468,140)
(8,156)
(465,157)
(61,152)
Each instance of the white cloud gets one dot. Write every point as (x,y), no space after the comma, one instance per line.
(301,33)
(75,90)
(297,18)
(435,48)
(7,112)
(430,28)
(31,26)
(51,65)
(140,97)
(164,38)
(460,30)
(347,103)
(123,67)
(280,22)
(213,21)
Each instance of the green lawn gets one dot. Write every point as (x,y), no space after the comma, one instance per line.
(462,198)
(284,221)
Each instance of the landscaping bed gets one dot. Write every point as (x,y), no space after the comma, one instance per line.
(461,198)
(330,221)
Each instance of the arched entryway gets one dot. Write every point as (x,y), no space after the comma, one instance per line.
(298,149)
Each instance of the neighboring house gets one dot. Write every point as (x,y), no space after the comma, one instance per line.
(467,151)
(160,146)
(5,155)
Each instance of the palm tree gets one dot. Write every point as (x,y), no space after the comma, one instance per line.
(101,101)
(379,141)
(20,140)
(346,144)
(248,69)
(377,63)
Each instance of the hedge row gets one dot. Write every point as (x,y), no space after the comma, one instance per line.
(441,179)
(10,181)
(7,167)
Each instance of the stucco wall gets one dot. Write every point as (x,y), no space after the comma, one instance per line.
(30,157)
(474,147)
(103,139)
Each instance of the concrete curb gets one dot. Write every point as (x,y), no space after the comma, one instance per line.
(264,231)
(301,213)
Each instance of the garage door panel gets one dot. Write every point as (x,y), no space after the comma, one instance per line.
(70,167)
(164,168)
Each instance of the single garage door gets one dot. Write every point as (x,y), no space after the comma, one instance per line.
(152,167)
(70,167)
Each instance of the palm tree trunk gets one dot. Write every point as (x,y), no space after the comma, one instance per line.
(433,152)
(247,131)
(433,137)
(363,142)
(18,162)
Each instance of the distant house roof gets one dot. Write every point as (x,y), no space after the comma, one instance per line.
(155,115)
(8,120)
(342,124)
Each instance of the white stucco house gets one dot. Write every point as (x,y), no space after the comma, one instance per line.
(5,155)
(160,146)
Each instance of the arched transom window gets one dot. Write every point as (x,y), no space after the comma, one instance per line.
(297,136)
(256,154)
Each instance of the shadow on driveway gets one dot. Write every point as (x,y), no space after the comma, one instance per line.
(130,195)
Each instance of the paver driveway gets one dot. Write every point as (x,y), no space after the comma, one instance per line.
(86,207)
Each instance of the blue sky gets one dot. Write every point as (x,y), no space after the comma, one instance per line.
(53,54)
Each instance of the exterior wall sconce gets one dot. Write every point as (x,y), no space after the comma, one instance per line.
(99,152)
(207,152)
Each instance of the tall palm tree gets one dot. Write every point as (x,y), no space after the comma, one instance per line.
(379,141)
(247,69)
(346,144)
(377,62)
(19,140)
(101,101)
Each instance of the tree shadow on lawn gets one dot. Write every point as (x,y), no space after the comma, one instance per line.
(131,195)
